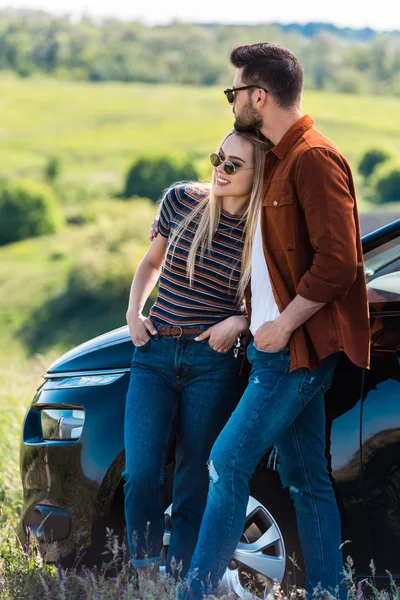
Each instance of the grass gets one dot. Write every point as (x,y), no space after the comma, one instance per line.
(98,129)
(18,380)
(23,576)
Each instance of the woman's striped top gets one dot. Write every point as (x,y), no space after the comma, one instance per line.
(213,295)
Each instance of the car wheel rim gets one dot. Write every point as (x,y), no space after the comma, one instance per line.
(260,557)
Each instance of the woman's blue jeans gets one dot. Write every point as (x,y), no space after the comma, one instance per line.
(177,387)
(286,410)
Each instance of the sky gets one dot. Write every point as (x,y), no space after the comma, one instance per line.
(381,15)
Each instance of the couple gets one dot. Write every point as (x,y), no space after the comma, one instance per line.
(278,226)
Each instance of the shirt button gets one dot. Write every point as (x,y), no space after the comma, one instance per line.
(275,202)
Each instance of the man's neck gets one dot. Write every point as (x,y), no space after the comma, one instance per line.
(279,123)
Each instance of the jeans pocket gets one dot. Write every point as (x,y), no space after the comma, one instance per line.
(144,346)
(216,351)
(320,380)
(285,349)
(309,386)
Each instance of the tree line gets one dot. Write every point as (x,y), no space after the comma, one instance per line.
(343,60)
(33,208)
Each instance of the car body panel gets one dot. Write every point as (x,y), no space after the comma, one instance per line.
(53,470)
(380,454)
(111,350)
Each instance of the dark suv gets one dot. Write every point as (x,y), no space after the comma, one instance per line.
(72,452)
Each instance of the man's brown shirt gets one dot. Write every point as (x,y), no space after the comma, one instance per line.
(312,245)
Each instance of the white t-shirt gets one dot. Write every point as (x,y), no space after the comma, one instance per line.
(264,307)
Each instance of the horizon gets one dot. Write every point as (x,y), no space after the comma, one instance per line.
(100,18)
(356,15)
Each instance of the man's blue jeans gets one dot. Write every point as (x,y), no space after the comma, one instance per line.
(181,387)
(286,410)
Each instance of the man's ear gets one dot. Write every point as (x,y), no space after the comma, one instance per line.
(261,98)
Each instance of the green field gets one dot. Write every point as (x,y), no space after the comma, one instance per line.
(98,129)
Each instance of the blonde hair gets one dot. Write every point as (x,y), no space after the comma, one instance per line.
(210,209)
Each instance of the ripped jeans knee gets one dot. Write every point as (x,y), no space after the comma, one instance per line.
(212,471)
(223,470)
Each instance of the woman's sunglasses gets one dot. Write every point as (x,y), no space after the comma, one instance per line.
(230,93)
(229,167)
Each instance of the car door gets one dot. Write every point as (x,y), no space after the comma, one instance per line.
(380,409)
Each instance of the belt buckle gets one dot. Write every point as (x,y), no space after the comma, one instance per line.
(181,332)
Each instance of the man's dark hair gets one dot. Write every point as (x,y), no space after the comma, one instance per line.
(272,67)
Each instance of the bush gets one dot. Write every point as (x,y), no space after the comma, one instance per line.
(52,169)
(102,275)
(386,182)
(101,278)
(371,159)
(148,177)
(350,81)
(95,264)
(27,209)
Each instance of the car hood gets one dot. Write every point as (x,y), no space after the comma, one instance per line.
(112,350)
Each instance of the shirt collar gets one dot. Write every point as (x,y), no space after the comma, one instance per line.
(292,135)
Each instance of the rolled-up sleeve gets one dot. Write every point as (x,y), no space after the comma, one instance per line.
(323,188)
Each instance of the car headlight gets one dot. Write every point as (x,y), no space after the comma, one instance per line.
(62,424)
(80,381)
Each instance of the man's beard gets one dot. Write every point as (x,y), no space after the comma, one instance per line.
(248,120)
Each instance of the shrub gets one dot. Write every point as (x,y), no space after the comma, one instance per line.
(350,81)
(371,159)
(386,182)
(27,209)
(90,292)
(102,275)
(101,278)
(52,169)
(148,177)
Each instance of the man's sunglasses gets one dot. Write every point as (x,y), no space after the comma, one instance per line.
(230,93)
(229,167)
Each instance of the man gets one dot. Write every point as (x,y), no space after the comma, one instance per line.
(307,304)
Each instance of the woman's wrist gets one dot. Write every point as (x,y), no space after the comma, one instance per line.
(242,324)
(133,313)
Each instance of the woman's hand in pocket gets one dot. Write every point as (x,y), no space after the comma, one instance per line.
(140,328)
(224,334)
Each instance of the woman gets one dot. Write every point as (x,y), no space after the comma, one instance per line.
(184,372)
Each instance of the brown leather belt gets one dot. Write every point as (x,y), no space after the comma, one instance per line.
(176,331)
